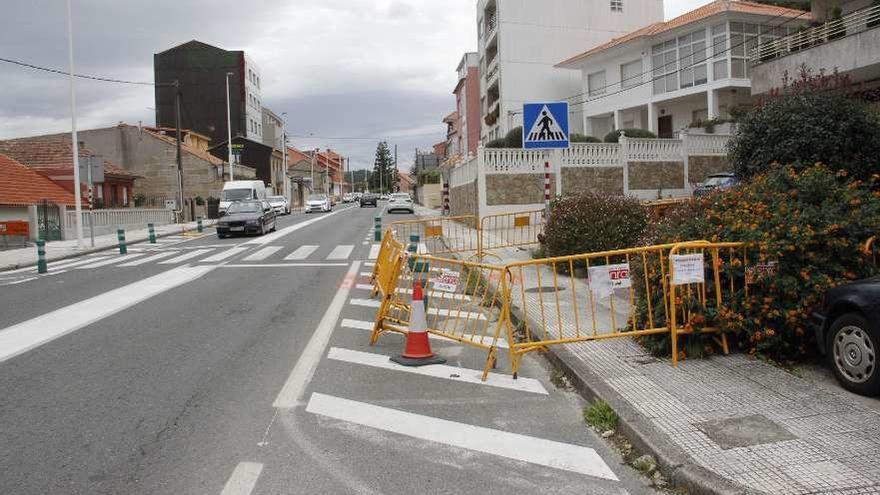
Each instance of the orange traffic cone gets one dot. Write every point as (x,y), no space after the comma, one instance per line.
(418,349)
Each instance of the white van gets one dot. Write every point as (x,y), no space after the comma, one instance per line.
(240,190)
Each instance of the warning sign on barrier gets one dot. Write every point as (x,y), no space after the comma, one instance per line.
(446,281)
(605,279)
(687,269)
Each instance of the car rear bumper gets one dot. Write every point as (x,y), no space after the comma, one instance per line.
(249,229)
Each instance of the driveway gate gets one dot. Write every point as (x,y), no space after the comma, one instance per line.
(48,221)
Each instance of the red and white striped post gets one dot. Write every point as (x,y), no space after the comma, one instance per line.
(546,189)
(446,199)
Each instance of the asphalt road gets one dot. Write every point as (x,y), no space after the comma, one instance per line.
(238,366)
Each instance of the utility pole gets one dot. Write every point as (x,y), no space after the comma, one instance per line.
(284,157)
(314,157)
(179,156)
(229,129)
(73,138)
(395,164)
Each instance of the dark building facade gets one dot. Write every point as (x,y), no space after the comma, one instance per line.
(201,71)
(253,154)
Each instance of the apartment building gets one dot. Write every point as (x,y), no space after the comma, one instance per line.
(467,106)
(667,75)
(521,41)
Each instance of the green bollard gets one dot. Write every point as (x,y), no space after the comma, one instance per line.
(120,236)
(42,266)
(413,249)
(152,230)
(199,224)
(377,229)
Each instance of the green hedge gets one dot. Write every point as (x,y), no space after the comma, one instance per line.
(614,136)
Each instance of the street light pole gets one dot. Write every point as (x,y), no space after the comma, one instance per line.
(284,157)
(73,138)
(229,128)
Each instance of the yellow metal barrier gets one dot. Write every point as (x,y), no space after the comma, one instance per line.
(441,235)
(381,260)
(464,301)
(510,230)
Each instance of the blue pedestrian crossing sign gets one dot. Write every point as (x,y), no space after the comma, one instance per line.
(545,125)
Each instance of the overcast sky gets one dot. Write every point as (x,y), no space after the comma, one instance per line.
(339,68)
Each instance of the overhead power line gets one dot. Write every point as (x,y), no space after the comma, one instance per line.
(81,76)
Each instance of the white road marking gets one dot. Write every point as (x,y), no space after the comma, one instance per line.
(183,257)
(37,331)
(374,251)
(243,479)
(21,281)
(367,303)
(301,253)
(222,255)
(368,325)
(436,294)
(266,239)
(364,243)
(291,394)
(115,259)
(282,265)
(549,453)
(370,263)
(75,262)
(423,248)
(448,312)
(443,371)
(366,274)
(150,259)
(341,252)
(263,253)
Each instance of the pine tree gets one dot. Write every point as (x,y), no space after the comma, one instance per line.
(384,176)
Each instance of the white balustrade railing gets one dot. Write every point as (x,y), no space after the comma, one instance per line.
(592,155)
(465,173)
(707,144)
(514,161)
(652,150)
(123,217)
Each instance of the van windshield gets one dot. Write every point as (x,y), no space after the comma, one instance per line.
(236,194)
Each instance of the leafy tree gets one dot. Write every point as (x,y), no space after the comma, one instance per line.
(384,176)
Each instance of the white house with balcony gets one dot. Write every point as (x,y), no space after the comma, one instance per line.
(520,42)
(667,75)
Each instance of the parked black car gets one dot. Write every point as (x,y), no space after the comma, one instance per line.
(369,199)
(848,333)
(247,217)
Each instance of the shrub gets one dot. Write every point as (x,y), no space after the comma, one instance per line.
(811,221)
(593,222)
(810,120)
(580,138)
(497,143)
(513,138)
(613,136)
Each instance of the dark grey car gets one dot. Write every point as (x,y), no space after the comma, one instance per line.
(247,217)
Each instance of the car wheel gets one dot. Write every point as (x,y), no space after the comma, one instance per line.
(221,236)
(852,349)
(274,225)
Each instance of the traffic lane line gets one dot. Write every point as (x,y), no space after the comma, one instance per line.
(534,450)
(501,343)
(243,479)
(442,371)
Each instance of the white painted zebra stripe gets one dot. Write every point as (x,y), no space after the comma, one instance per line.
(549,453)
(368,325)
(370,263)
(150,259)
(374,253)
(184,257)
(75,262)
(243,479)
(341,252)
(115,259)
(301,253)
(443,371)
(262,253)
(229,253)
(423,248)
(438,294)
(367,303)
(452,313)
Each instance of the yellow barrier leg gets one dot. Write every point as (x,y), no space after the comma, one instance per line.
(377,326)
(673,335)
(490,363)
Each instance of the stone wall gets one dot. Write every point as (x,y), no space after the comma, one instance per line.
(701,167)
(656,175)
(577,180)
(463,200)
(517,189)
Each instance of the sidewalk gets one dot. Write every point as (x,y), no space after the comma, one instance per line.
(729,424)
(59,250)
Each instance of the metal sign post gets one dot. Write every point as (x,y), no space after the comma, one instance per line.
(93,169)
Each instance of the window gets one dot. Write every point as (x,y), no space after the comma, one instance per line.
(743,37)
(692,59)
(663,67)
(616,5)
(719,51)
(596,83)
(631,73)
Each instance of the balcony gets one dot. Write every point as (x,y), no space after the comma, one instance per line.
(492,72)
(848,44)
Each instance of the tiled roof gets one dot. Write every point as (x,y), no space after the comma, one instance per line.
(452,117)
(53,152)
(22,186)
(185,148)
(703,12)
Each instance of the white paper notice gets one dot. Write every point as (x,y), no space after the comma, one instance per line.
(446,281)
(688,269)
(604,279)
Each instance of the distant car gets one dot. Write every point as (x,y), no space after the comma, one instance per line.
(318,202)
(368,199)
(848,333)
(280,204)
(384,197)
(400,202)
(716,182)
(347,198)
(247,217)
